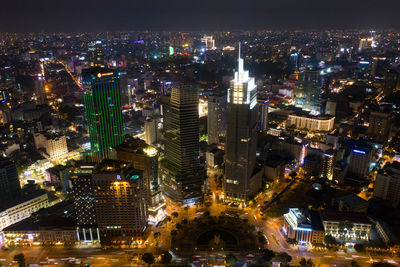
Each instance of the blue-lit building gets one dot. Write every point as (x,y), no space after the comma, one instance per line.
(303,226)
(294,60)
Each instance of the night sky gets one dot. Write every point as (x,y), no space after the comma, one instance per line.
(101,15)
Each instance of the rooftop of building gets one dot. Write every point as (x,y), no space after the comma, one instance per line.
(23,198)
(391,169)
(339,216)
(51,134)
(82,166)
(274,163)
(388,230)
(5,162)
(58,168)
(112,166)
(137,146)
(301,216)
(98,70)
(45,223)
(316,222)
(352,201)
(305,114)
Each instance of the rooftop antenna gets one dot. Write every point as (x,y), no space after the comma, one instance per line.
(239,50)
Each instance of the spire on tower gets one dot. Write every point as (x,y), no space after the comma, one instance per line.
(239,51)
(240,66)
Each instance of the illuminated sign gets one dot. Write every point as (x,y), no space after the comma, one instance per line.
(99,75)
(359,151)
(135,177)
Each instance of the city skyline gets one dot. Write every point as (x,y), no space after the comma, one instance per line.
(219,148)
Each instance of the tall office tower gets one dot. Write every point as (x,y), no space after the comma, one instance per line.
(144,158)
(121,206)
(150,130)
(308,93)
(125,93)
(216,120)
(209,42)
(241,138)
(327,164)
(84,200)
(263,114)
(103,110)
(182,176)
(294,60)
(10,188)
(387,184)
(40,92)
(380,124)
(95,54)
(366,43)
(360,159)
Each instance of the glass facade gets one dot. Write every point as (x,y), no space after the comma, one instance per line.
(181,173)
(103,110)
(308,94)
(241,137)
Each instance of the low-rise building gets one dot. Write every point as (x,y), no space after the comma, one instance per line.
(309,122)
(304,226)
(59,175)
(347,225)
(350,203)
(296,149)
(23,208)
(274,169)
(52,230)
(214,157)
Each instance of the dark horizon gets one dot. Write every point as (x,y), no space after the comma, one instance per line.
(156,15)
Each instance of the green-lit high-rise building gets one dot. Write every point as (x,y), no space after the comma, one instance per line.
(103,110)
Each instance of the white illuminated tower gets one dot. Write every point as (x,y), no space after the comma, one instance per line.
(241,138)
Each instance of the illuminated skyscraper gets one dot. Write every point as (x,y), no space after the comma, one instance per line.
(209,42)
(241,138)
(181,174)
(82,190)
(95,54)
(366,43)
(308,93)
(103,110)
(84,200)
